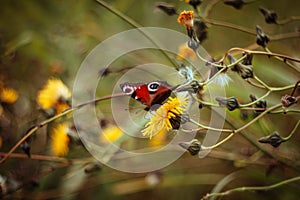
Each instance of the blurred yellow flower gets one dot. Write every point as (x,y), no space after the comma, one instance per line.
(159,139)
(184,52)
(186,18)
(60,139)
(8,95)
(110,134)
(166,117)
(55,94)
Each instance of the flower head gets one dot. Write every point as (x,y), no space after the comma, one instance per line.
(167,117)
(110,134)
(8,95)
(186,18)
(55,94)
(60,139)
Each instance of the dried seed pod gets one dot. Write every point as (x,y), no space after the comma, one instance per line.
(193,147)
(245,71)
(169,9)
(260,104)
(238,4)
(288,100)
(231,103)
(261,39)
(194,3)
(270,15)
(273,139)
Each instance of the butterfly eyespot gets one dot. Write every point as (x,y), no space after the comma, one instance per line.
(153,86)
(127,89)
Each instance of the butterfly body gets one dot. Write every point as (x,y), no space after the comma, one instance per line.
(150,94)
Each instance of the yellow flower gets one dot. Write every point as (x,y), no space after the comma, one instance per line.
(8,95)
(185,52)
(186,18)
(60,139)
(110,134)
(55,94)
(166,117)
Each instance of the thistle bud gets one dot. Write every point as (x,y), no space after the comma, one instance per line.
(194,3)
(231,103)
(261,39)
(169,9)
(193,43)
(196,86)
(270,15)
(248,59)
(260,104)
(238,4)
(273,139)
(288,100)
(93,167)
(245,71)
(26,148)
(193,147)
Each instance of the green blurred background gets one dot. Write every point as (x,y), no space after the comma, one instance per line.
(42,39)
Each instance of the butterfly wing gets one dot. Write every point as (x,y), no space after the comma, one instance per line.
(153,93)
(138,91)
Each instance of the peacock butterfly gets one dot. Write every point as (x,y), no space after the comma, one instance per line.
(150,94)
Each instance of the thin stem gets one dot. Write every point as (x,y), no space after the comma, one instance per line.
(282,59)
(294,90)
(273,89)
(242,128)
(133,23)
(251,108)
(255,84)
(209,7)
(47,121)
(283,36)
(233,123)
(206,61)
(262,83)
(285,111)
(208,103)
(223,69)
(293,131)
(258,53)
(257,100)
(229,25)
(252,188)
(288,20)
(210,128)
(48,158)
(237,61)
